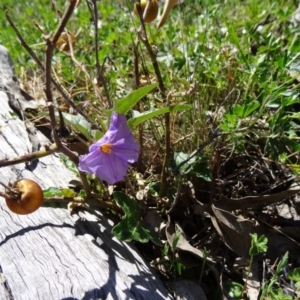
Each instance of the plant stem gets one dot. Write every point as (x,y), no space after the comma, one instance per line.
(248,274)
(89,199)
(144,38)
(42,67)
(28,157)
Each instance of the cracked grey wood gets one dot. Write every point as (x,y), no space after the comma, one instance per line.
(52,255)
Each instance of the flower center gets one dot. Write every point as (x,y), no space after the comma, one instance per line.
(106,148)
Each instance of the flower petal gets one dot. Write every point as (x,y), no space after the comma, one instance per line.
(126,149)
(113,169)
(118,128)
(90,162)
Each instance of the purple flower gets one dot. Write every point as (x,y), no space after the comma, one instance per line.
(109,157)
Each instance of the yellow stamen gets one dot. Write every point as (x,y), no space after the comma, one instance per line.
(106,148)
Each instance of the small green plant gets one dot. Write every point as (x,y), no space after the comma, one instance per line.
(171,259)
(258,245)
(234,289)
(295,276)
(268,290)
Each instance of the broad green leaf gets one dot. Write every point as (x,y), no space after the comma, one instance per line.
(123,106)
(132,227)
(79,123)
(142,117)
(179,157)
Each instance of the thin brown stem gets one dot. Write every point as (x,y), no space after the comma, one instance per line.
(6,187)
(137,84)
(100,75)
(51,44)
(144,38)
(42,67)
(85,183)
(29,157)
(89,199)
(10,194)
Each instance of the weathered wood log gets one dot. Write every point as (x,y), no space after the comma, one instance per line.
(51,254)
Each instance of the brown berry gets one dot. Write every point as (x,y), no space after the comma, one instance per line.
(27,197)
(151,12)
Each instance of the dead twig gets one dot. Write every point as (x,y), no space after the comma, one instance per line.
(42,67)
(152,53)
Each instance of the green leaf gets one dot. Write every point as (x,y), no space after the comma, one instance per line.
(179,157)
(68,163)
(69,193)
(165,250)
(235,39)
(82,194)
(123,106)
(197,165)
(294,275)
(234,289)
(295,116)
(180,267)
(176,240)
(79,123)
(132,227)
(142,117)
(243,111)
(202,169)
(282,263)
(153,188)
(229,122)
(51,192)
(258,245)
(280,295)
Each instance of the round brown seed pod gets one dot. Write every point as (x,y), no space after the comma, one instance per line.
(27,197)
(152,11)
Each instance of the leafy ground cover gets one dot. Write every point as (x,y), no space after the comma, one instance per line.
(212,98)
